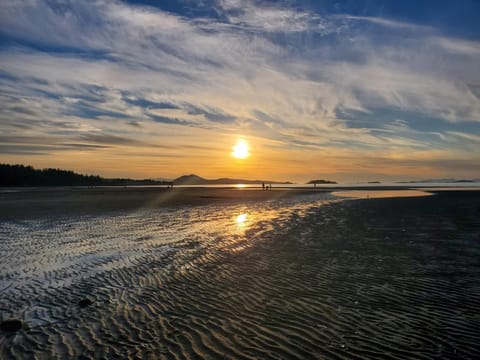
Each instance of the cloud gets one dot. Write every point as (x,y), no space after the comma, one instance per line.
(459,46)
(111,74)
(108,139)
(209,113)
(399,25)
(135,123)
(270,18)
(169,120)
(474,138)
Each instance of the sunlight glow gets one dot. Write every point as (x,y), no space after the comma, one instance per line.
(241,219)
(240,150)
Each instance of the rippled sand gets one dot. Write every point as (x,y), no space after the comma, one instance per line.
(291,278)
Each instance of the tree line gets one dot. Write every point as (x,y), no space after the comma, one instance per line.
(21,175)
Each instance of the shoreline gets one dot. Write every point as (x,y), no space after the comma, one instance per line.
(91,201)
(40,202)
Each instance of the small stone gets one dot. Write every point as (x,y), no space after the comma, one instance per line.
(12,325)
(84,303)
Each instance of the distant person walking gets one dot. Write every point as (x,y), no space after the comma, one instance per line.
(263,186)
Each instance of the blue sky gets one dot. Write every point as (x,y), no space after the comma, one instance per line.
(347,90)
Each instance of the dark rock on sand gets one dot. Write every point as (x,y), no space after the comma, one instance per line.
(85,302)
(11,325)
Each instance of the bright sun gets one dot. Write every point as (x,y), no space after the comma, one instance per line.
(240,150)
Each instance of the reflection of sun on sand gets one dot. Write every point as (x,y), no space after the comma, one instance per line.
(241,219)
(373,194)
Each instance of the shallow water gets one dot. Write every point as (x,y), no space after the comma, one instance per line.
(303,277)
(376,194)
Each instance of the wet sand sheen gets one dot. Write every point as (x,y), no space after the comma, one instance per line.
(376,194)
(294,278)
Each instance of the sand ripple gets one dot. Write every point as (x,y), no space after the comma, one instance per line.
(390,279)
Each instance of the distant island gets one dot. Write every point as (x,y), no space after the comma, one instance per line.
(24,176)
(193,179)
(321,182)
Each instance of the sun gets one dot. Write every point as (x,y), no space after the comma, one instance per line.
(240,150)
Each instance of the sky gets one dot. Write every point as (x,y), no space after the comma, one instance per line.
(364,90)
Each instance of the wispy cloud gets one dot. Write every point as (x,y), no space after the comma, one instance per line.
(400,25)
(255,16)
(108,73)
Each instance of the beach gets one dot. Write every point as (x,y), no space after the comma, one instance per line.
(18,203)
(239,274)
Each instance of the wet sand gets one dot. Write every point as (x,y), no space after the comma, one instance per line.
(69,201)
(24,203)
(294,277)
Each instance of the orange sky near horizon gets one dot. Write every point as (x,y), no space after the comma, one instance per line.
(267,160)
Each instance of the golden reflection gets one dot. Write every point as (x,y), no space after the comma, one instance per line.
(373,194)
(240,186)
(241,219)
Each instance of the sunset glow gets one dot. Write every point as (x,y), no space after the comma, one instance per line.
(240,150)
(244,179)
(338,92)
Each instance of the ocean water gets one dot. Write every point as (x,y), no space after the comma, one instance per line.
(372,186)
(303,277)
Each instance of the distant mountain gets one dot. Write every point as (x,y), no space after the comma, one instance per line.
(193,179)
(321,182)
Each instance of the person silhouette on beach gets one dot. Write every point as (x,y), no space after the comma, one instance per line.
(263,186)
